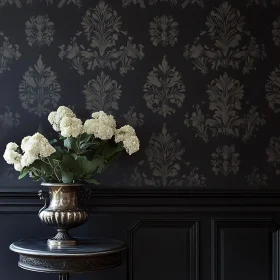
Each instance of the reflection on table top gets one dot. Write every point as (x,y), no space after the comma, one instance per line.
(86,247)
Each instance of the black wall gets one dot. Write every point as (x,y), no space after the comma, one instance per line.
(172,235)
(198,79)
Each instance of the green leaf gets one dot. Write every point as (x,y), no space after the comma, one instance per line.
(85,137)
(59,152)
(45,170)
(55,162)
(120,147)
(69,161)
(36,171)
(110,152)
(75,156)
(23,172)
(88,144)
(92,181)
(70,143)
(67,176)
(53,141)
(102,167)
(86,166)
(108,149)
(98,160)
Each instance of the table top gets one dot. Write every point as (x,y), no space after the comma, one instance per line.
(86,247)
(88,255)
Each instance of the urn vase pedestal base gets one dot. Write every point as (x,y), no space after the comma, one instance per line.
(62,239)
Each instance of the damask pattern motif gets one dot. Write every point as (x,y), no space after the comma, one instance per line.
(8,119)
(39,31)
(164,155)
(225,160)
(232,46)
(273,153)
(20,3)
(258,2)
(133,118)
(164,89)
(174,3)
(102,28)
(256,178)
(164,31)
(102,94)
(276,31)
(39,89)
(8,53)
(225,98)
(272,89)
(263,3)
(198,80)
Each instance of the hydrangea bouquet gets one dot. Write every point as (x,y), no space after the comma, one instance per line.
(81,151)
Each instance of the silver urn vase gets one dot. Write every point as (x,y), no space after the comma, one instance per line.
(64,209)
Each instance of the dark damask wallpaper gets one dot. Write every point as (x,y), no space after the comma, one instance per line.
(198,79)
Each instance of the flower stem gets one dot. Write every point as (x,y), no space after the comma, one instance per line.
(54,170)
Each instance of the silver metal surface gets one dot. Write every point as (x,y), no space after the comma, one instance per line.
(64,211)
(58,184)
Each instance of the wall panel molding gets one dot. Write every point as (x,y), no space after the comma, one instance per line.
(158,201)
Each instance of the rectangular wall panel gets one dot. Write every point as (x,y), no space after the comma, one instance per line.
(244,249)
(164,249)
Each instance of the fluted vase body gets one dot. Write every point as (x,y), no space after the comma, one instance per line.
(65,210)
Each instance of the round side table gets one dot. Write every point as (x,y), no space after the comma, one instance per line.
(88,255)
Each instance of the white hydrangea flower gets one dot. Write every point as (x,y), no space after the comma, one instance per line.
(51,117)
(18,166)
(71,127)
(27,159)
(102,126)
(34,147)
(31,144)
(104,119)
(90,126)
(52,121)
(46,149)
(104,132)
(97,115)
(11,146)
(124,132)
(24,141)
(131,144)
(11,156)
(55,117)
(64,111)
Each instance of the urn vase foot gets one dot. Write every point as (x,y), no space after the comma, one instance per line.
(62,239)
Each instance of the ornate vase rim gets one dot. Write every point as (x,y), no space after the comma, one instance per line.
(60,184)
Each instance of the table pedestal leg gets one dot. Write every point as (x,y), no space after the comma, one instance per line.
(63,276)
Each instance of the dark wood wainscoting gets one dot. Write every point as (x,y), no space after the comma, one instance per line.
(171,235)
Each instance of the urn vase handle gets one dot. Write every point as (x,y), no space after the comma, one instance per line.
(44,195)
